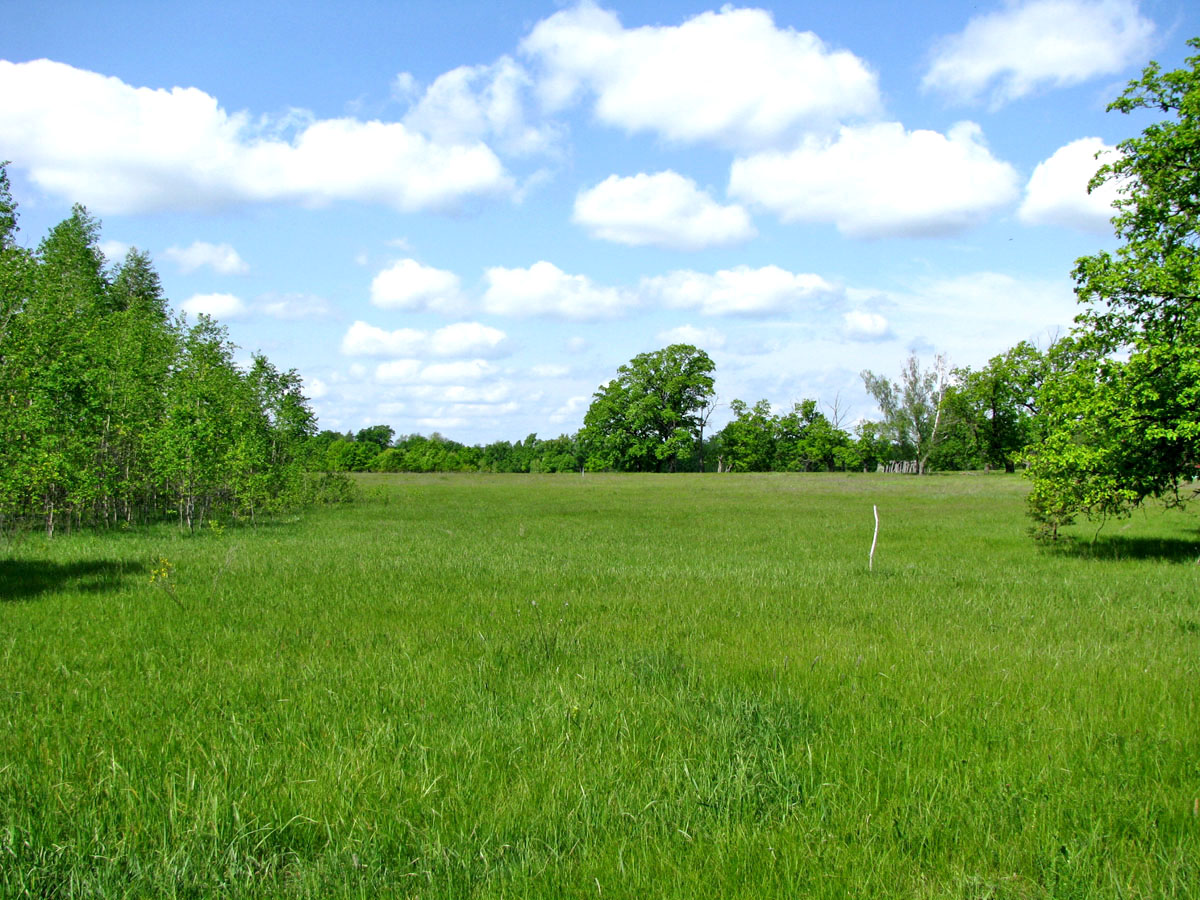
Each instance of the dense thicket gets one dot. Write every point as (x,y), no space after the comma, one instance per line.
(115,411)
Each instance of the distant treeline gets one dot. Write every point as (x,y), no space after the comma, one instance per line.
(800,440)
(114,411)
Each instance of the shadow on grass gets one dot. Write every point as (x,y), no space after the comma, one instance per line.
(1116,547)
(22,579)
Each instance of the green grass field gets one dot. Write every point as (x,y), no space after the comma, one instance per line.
(610,686)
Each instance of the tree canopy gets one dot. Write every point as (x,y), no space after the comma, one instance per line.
(1120,410)
(113,411)
(911,407)
(652,412)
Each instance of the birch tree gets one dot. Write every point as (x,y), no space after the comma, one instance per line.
(911,407)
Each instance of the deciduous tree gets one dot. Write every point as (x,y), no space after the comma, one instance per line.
(1120,412)
(650,415)
(911,407)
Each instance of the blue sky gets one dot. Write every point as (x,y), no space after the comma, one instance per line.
(463,217)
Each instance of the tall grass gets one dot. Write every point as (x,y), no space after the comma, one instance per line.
(626,686)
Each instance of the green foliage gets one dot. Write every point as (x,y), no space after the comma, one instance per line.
(111,411)
(748,441)
(989,414)
(912,408)
(652,413)
(712,698)
(801,440)
(379,435)
(1120,413)
(8,209)
(329,451)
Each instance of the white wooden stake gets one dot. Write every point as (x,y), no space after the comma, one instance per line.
(871,560)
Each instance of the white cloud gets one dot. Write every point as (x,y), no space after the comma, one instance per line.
(431,378)
(367,340)
(662,210)
(730,76)
(475,103)
(114,251)
(545,290)
(705,338)
(467,339)
(859,325)
(123,149)
(1057,191)
(460,393)
(459,339)
(315,388)
(408,285)
(550,370)
(739,291)
(456,372)
(405,86)
(442,423)
(221,258)
(219,306)
(572,410)
(293,306)
(977,315)
(1027,46)
(398,371)
(881,181)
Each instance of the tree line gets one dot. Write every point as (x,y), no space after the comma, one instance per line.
(1105,418)
(653,416)
(114,411)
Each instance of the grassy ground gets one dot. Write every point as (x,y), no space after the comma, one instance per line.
(607,687)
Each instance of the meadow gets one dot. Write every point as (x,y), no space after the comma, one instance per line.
(607,686)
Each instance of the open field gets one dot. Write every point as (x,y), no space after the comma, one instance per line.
(611,686)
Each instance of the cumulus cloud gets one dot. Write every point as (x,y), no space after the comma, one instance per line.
(410,286)
(221,258)
(124,149)
(731,76)
(458,340)
(662,210)
(741,291)
(476,103)
(976,315)
(705,338)
(1057,192)
(859,325)
(466,339)
(881,181)
(572,410)
(315,388)
(1028,46)
(219,306)
(543,289)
